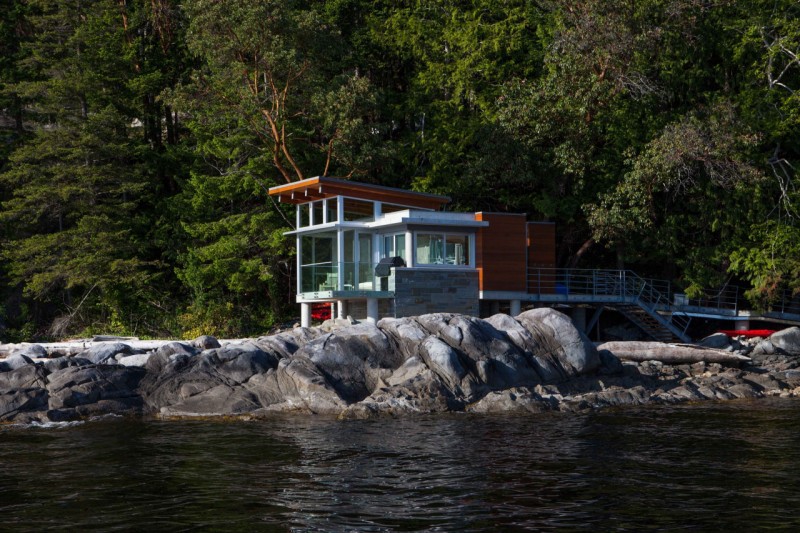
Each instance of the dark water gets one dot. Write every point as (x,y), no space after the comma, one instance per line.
(721,467)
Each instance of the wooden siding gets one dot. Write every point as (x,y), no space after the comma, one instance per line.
(500,252)
(311,189)
(542,254)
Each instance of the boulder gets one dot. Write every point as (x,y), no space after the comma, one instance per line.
(297,385)
(719,341)
(352,359)
(543,355)
(205,342)
(286,343)
(34,351)
(787,340)
(60,363)
(139,359)
(240,362)
(21,402)
(558,338)
(84,385)
(105,352)
(488,352)
(763,347)
(218,400)
(14,362)
(23,377)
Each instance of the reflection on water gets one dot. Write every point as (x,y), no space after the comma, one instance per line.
(708,467)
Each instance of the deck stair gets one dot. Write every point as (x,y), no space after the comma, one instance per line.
(644,302)
(648,323)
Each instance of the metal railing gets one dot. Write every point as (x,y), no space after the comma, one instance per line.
(728,298)
(789,304)
(611,286)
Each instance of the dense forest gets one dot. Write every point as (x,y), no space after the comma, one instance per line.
(138,139)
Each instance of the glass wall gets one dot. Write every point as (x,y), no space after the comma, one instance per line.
(318,262)
(442,249)
(394,246)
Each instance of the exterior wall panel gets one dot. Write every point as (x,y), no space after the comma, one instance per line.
(501,252)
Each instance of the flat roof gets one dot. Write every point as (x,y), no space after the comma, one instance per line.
(311,189)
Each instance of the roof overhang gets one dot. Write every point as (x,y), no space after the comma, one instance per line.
(311,189)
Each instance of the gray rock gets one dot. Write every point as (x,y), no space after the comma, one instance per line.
(60,363)
(170,355)
(23,377)
(297,385)
(176,348)
(220,399)
(286,343)
(787,340)
(516,400)
(139,359)
(353,359)
(412,388)
(77,386)
(19,402)
(105,352)
(449,365)
(719,341)
(559,338)
(205,342)
(490,354)
(609,363)
(765,347)
(31,350)
(240,362)
(14,362)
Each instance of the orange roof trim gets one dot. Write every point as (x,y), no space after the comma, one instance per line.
(311,189)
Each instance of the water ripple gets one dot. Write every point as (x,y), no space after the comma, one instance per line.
(707,467)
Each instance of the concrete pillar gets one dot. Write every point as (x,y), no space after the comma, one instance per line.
(305,314)
(341,309)
(372,310)
(741,323)
(516,307)
(579,318)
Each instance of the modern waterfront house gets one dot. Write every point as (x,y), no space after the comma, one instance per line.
(375,251)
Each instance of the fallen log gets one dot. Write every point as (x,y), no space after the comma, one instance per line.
(672,354)
(57,349)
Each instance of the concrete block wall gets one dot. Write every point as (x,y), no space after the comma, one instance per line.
(358,308)
(435,290)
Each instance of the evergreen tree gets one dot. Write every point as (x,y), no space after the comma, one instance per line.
(82,196)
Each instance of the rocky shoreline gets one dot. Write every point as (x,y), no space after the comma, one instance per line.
(534,362)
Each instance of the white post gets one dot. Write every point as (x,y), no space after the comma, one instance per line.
(372,310)
(305,314)
(299,264)
(341,309)
(516,307)
(339,259)
(409,248)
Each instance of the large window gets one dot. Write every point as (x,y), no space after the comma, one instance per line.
(316,213)
(394,246)
(442,249)
(318,262)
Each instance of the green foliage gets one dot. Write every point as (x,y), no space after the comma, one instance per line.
(138,140)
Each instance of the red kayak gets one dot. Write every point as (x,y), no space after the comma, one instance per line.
(747,332)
